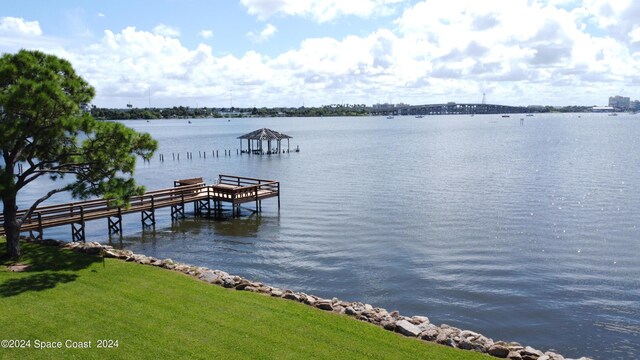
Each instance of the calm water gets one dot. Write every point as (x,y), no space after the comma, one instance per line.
(523,233)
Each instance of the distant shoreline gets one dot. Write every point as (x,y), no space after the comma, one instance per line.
(182,112)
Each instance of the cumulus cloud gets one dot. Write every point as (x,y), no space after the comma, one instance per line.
(206,34)
(166,30)
(319,10)
(18,26)
(264,35)
(514,50)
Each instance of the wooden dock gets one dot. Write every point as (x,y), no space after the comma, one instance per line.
(207,200)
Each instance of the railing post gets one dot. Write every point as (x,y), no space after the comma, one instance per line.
(77,229)
(257,201)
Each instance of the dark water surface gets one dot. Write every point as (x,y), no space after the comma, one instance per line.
(523,233)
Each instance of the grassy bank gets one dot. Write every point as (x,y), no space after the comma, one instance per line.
(156,313)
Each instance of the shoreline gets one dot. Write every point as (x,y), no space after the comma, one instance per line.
(418,327)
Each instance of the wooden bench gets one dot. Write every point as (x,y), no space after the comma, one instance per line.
(191,181)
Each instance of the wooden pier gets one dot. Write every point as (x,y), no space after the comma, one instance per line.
(207,201)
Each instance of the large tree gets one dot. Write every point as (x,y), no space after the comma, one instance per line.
(43,128)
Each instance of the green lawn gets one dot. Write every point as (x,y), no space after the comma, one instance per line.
(156,313)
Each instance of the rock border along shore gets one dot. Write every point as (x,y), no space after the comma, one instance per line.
(415,327)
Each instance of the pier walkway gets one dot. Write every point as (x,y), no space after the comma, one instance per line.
(207,200)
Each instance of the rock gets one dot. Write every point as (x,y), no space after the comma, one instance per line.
(465,344)
(529,353)
(110,254)
(553,356)
(514,355)
(417,320)
(276,293)
(498,350)
(444,339)
(350,311)
(93,250)
(389,325)
(430,334)
(209,276)
(229,283)
(310,300)
(324,305)
(291,296)
(407,329)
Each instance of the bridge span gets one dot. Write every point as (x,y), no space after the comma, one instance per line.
(448,109)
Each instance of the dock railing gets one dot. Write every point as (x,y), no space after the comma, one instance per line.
(233,189)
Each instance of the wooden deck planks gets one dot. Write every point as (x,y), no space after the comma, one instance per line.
(231,189)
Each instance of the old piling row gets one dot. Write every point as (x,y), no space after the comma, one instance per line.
(416,326)
(201,155)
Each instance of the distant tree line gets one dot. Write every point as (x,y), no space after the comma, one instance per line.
(182,112)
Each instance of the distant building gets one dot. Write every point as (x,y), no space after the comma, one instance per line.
(635,105)
(619,102)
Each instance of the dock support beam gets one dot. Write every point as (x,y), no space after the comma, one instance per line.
(115,223)
(202,205)
(149,215)
(177,211)
(77,232)
(39,230)
(77,228)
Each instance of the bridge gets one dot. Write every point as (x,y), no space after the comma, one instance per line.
(207,199)
(448,109)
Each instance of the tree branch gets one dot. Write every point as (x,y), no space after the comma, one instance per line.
(31,209)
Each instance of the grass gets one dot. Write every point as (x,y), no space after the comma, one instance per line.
(155,313)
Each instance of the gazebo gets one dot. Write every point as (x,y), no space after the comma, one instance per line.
(261,135)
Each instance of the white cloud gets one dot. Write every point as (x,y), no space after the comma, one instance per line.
(18,26)
(101,14)
(517,51)
(634,35)
(264,35)
(166,30)
(319,10)
(206,34)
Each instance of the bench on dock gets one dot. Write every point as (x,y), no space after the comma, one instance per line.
(190,181)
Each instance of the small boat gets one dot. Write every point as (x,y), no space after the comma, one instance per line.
(529,114)
(613,114)
(389,117)
(506,116)
(419,116)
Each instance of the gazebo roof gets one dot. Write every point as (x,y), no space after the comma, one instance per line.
(265,134)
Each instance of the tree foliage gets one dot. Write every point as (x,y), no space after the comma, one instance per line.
(43,127)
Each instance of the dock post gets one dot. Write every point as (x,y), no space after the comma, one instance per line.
(115,225)
(149,215)
(39,230)
(257,201)
(77,228)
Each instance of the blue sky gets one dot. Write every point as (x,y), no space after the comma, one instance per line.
(316,52)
